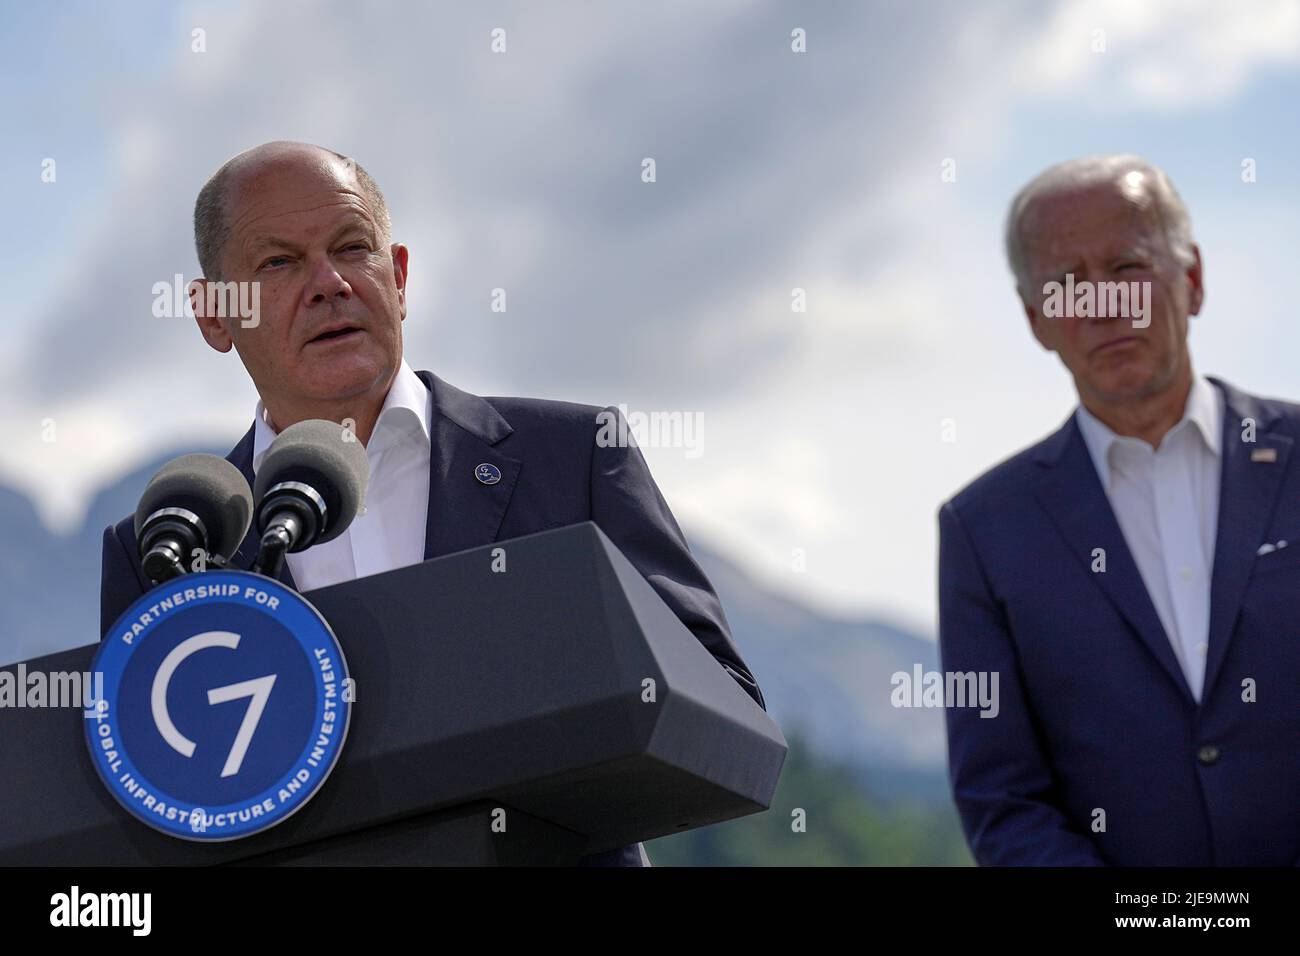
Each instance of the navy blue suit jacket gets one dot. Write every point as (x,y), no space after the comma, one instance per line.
(553,473)
(1095,713)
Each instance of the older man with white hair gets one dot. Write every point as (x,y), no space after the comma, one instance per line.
(1133,580)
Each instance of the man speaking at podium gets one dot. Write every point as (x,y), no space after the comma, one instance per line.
(448,470)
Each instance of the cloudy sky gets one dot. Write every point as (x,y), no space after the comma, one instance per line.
(521,170)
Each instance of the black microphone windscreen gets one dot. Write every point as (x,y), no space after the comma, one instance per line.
(209,486)
(326,456)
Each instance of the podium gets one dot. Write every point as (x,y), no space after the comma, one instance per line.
(559,699)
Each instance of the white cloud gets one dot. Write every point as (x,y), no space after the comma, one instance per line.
(1160,54)
(820,172)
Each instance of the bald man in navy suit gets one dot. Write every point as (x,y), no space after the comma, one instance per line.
(310,227)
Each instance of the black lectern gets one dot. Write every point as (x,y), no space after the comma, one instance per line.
(508,684)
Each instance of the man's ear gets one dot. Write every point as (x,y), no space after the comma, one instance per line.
(1036,320)
(401,259)
(214,330)
(1195,283)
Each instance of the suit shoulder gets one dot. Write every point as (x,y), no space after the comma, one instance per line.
(1286,411)
(124,531)
(1278,414)
(1010,480)
(546,413)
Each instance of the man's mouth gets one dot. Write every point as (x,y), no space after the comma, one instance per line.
(1114,344)
(336,334)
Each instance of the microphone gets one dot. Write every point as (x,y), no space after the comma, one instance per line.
(308,489)
(195,501)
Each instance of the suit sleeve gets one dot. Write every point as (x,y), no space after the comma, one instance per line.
(1001,779)
(120,581)
(627,505)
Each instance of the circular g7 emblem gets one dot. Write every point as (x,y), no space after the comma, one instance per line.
(224,707)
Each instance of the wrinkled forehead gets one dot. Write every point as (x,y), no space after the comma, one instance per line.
(1094,218)
(301,182)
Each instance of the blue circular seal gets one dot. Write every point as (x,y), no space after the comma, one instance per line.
(224,706)
(487,473)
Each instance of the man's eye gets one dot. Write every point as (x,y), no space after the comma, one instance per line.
(272,261)
(356,245)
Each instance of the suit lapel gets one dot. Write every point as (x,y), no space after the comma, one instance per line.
(464,512)
(241,456)
(1248,494)
(1076,501)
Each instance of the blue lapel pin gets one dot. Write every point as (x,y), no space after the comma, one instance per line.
(487,474)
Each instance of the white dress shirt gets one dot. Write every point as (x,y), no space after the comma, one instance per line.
(388,531)
(1166,501)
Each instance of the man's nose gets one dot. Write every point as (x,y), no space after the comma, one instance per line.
(324,282)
